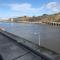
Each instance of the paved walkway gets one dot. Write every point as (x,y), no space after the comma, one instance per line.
(12,51)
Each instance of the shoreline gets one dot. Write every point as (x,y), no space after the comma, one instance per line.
(49,23)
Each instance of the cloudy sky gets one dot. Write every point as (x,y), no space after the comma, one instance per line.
(14,8)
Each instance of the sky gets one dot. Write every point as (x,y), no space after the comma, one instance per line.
(17,8)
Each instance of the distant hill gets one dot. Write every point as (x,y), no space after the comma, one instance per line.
(48,18)
(43,18)
(51,18)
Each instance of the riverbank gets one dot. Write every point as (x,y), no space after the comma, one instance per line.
(26,22)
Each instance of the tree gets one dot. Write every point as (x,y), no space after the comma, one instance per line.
(45,15)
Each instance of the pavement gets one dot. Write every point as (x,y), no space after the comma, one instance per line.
(10,50)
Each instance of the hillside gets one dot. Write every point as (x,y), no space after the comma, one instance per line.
(51,18)
(43,18)
(48,18)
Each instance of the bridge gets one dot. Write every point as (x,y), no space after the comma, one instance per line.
(13,47)
(54,23)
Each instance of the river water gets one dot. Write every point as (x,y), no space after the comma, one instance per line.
(43,34)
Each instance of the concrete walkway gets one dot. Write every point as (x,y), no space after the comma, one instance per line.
(12,51)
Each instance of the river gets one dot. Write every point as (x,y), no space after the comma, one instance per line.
(48,35)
